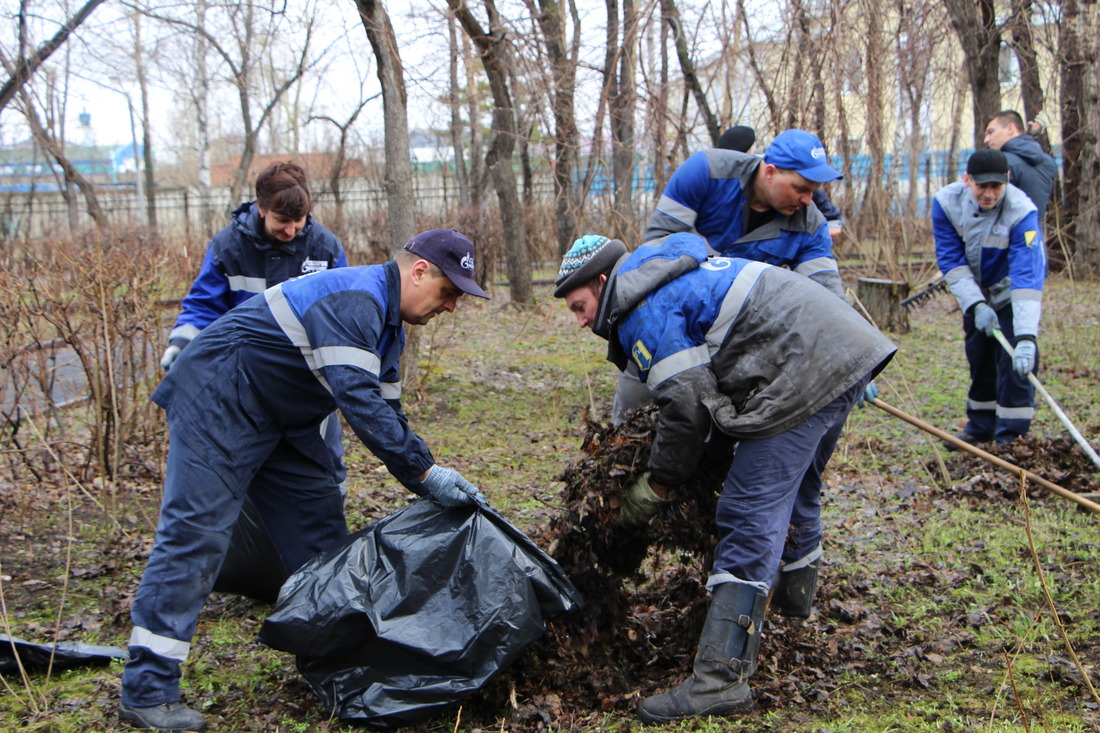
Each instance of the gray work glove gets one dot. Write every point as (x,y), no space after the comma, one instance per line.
(447,487)
(640,505)
(169,356)
(985,318)
(1023,358)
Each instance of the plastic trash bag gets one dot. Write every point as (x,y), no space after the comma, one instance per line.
(252,566)
(416,612)
(66,655)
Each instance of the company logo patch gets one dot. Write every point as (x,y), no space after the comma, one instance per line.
(816,153)
(1029,238)
(314,266)
(641,355)
(467,262)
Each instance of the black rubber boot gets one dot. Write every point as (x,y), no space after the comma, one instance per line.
(174,717)
(794,591)
(723,664)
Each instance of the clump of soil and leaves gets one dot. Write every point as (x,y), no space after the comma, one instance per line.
(950,598)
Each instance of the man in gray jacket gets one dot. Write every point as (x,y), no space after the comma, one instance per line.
(764,355)
(1030,169)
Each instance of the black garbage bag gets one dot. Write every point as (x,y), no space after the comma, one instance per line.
(416,612)
(252,566)
(66,655)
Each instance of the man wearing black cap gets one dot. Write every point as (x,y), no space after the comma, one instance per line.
(244,402)
(989,247)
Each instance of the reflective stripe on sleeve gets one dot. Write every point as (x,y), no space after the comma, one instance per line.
(673,364)
(676,210)
(247,284)
(816,265)
(391,390)
(347,356)
(162,646)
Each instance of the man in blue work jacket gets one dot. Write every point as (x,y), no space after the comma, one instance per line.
(244,403)
(764,355)
(989,247)
(748,207)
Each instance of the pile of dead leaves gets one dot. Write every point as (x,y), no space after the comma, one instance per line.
(646,600)
(1058,460)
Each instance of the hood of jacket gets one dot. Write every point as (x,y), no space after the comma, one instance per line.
(639,273)
(1026,147)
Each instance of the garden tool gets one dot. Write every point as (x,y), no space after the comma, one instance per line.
(999,462)
(1050,401)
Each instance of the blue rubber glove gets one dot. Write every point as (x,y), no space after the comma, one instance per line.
(869,394)
(985,318)
(447,486)
(1023,359)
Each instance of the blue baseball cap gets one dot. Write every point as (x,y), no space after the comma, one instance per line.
(801,151)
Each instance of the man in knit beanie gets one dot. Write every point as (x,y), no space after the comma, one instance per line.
(764,355)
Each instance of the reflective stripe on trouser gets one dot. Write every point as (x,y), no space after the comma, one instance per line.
(200,508)
(1000,404)
(770,508)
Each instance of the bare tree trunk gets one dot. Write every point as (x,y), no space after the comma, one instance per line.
(691,79)
(336,173)
(493,46)
(391,75)
(54,149)
(563,62)
(975,22)
(146,125)
(1080,30)
(1031,85)
(622,98)
(461,178)
(874,204)
(761,78)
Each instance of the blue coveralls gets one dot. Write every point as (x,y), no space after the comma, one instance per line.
(244,402)
(791,359)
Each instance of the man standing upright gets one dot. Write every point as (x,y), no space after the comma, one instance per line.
(1032,171)
(989,247)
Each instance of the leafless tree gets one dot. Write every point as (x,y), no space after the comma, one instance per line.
(19,66)
(562,51)
(975,23)
(493,46)
(1080,41)
(671,15)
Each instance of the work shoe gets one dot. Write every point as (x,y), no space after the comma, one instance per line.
(965,437)
(794,591)
(174,717)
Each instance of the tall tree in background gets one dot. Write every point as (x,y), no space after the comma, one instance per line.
(975,23)
(562,50)
(401,205)
(493,46)
(1031,86)
(1080,41)
(687,67)
(619,66)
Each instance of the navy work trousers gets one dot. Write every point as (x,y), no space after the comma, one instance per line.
(302,507)
(1000,403)
(770,508)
